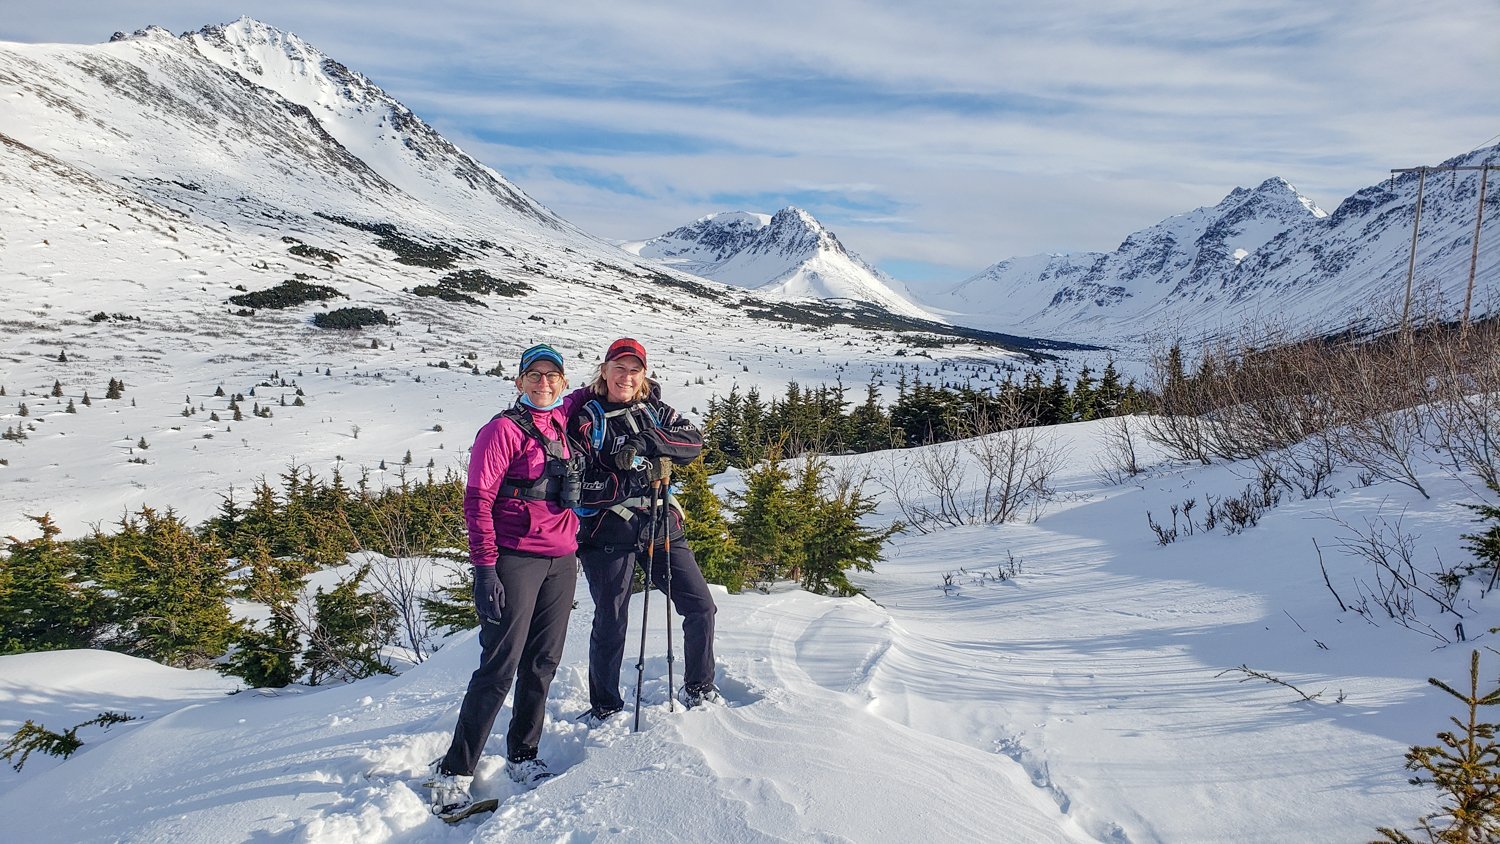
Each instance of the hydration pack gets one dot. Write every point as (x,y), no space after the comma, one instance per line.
(599,420)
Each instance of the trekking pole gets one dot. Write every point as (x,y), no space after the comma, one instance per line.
(665,506)
(640,664)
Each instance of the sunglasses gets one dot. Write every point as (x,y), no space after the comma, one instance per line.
(534,377)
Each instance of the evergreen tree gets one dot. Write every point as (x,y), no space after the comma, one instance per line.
(1465,769)
(170,589)
(706,529)
(870,426)
(115,389)
(57,390)
(836,540)
(23,411)
(86,400)
(1485,545)
(757,429)
(1085,396)
(767,528)
(1111,395)
(70,408)
(350,628)
(44,604)
(266,656)
(1057,402)
(452,609)
(832,539)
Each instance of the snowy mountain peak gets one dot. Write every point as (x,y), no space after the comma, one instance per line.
(793,230)
(789,254)
(151,32)
(1264,253)
(287,64)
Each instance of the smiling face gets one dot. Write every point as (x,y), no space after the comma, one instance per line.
(543,383)
(624,376)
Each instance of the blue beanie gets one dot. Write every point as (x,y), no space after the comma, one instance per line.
(541,351)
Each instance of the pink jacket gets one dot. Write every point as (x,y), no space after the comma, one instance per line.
(498,524)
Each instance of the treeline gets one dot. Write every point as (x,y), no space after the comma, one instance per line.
(739,428)
(153,586)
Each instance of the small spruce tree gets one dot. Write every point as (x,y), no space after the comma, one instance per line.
(1466,770)
(767,526)
(706,529)
(1485,545)
(170,589)
(266,656)
(350,628)
(47,601)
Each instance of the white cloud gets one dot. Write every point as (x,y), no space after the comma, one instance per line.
(968,131)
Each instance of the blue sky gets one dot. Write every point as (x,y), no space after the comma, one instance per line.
(933,138)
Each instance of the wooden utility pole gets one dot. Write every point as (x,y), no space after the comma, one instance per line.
(1411,264)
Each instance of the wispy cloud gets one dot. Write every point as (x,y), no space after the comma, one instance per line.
(934,137)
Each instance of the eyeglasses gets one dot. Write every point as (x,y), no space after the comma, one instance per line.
(534,377)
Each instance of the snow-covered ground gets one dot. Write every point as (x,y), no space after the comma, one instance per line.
(1082,699)
(145,182)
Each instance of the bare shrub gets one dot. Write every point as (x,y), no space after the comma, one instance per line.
(1390,551)
(401,570)
(1378,387)
(1464,413)
(1176,424)
(1002,472)
(1120,459)
(1017,461)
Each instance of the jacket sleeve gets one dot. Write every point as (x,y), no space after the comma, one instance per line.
(675,437)
(495,446)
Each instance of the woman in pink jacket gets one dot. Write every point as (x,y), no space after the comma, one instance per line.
(522,485)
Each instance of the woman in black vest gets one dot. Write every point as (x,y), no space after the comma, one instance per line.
(629,434)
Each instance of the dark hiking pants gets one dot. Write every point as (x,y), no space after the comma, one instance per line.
(526,645)
(609,573)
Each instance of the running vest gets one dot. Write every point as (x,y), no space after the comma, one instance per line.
(561,480)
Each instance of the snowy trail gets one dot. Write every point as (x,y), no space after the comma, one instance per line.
(798,755)
(1101,680)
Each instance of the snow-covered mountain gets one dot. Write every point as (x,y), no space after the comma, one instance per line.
(148,181)
(789,255)
(1268,254)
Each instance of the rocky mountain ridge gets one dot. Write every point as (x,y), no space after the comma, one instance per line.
(1267,255)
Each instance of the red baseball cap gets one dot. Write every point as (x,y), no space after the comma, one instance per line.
(625,346)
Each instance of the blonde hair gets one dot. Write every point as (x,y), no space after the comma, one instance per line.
(601,387)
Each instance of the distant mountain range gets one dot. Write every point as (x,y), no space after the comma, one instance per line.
(789,255)
(1267,255)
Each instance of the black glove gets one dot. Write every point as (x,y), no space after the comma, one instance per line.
(633,447)
(489,594)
